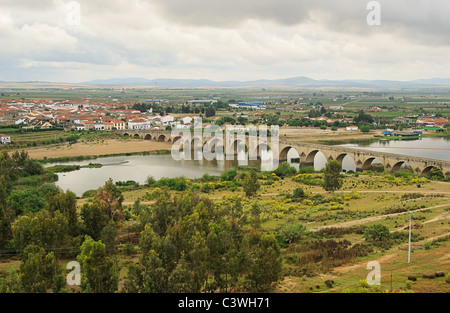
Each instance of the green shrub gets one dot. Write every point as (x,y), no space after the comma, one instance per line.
(228,175)
(89,193)
(292,231)
(299,193)
(151,181)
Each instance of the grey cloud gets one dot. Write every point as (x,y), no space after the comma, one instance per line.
(413,18)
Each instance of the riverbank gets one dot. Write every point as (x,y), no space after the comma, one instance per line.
(315,135)
(113,147)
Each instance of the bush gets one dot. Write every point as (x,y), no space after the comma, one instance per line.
(299,193)
(285,169)
(178,184)
(292,232)
(89,193)
(429,275)
(129,249)
(377,233)
(228,175)
(364,284)
(151,181)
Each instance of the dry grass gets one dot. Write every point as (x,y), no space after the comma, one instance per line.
(112,146)
(295,134)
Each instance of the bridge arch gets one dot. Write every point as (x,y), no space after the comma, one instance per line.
(398,166)
(137,136)
(236,145)
(311,156)
(259,148)
(176,139)
(148,137)
(196,143)
(161,138)
(427,170)
(347,162)
(284,153)
(370,161)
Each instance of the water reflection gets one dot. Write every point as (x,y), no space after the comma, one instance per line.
(138,168)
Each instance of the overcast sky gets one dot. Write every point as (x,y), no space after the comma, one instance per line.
(222,39)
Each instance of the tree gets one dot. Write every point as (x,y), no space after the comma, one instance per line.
(108,234)
(363,117)
(38,269)
(66,203)
(5,220)
(365,129)
(250,184)
(44,230)
(110,198)
(12,283)
(94,220)
(285,169)
(332,179)
(210,112)
(148,277)
(377,233)
(265,262)
(8,167)
(299,193)
(99,274)
(26,201)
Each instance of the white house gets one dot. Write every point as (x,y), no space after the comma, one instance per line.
(5,139)
(352,128)
(99,126)
(166,120)
(79,127)
(187,120)
(139,124)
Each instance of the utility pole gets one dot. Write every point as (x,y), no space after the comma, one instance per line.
(409,245)
(390,290)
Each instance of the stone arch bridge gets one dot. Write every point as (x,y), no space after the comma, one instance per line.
(307,151)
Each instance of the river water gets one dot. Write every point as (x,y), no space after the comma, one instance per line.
(138,168)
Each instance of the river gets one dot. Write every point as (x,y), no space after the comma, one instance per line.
(138,168)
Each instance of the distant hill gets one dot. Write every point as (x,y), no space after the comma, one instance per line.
(293,82)
(301,82)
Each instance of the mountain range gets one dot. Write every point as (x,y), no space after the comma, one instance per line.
(299,82)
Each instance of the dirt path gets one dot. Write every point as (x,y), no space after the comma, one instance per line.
(387,257)
(374,218)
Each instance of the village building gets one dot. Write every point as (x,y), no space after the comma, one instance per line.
(5,139)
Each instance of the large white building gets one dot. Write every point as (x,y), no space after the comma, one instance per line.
(139,124)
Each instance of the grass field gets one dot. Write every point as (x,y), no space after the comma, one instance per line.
(364,205)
